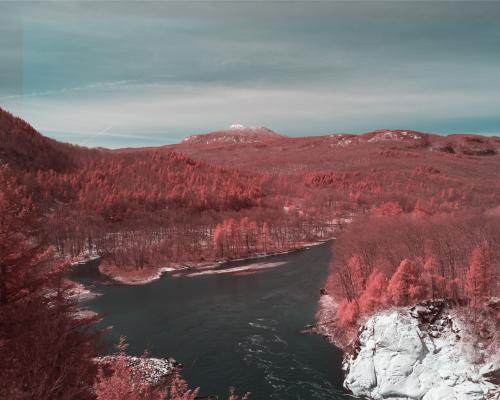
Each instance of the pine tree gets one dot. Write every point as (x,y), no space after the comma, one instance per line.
(348,313)
(406,286)
(45,353)
(23,257)
(219,240)
(430,268)
(358,273)
(373,297)
(479,277)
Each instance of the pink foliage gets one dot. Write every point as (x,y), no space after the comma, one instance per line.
(358,273)
(479,275)
(391,208)
(348,313)
(406,285)
(374,296)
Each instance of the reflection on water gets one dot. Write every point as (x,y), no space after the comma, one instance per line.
(237,327)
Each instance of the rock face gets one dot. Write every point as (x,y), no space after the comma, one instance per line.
(424,354)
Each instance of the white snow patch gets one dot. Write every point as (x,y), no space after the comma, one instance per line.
(142,281)
(243,268)
(84,259)
(237,126)
(326,316)
(80,293)
(155,370)
(397,360)
(341,140)
(388,135)
(84,313)
(190,138)
(394,135)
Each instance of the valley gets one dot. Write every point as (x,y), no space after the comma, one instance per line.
(411,212)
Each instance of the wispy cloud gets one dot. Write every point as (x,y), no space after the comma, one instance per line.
(165,113)
(97,134)
(89,87)
(157,71)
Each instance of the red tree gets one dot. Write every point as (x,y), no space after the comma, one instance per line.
(391,208)
(406,286)
(373,298)
(479,277)
(45,353)
(358,272)
(348,313)
(22,256)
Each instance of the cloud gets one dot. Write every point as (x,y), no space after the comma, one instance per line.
(161,113)
(89,87)
(158,71)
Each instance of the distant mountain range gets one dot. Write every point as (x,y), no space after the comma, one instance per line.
(23,147)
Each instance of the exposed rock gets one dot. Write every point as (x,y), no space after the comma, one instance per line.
(79,293)
(423,353)
(156,371)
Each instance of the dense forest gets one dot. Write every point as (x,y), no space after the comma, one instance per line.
(416,217)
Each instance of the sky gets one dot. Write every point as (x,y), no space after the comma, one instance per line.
(125,73)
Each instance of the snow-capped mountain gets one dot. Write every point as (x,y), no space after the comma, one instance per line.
(236,133)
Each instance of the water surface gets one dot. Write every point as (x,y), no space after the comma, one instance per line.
(235,329)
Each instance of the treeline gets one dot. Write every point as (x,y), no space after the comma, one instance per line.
(146,208)
(128,186)
(157,207)
(400,259)
(197,240)
(239,238)
(413,185)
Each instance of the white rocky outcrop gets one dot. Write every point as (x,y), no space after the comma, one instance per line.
(154,370)
(399,357)
(384,135)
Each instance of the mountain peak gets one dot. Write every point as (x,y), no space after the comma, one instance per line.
(236,133)
(237,126)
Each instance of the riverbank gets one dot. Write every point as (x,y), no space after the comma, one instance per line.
(78,292)
(132,276)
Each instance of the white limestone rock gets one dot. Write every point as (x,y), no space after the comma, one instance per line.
(398,359)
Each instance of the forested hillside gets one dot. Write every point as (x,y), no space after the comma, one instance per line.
(148,208)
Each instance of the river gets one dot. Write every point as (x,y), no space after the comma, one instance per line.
(238,329)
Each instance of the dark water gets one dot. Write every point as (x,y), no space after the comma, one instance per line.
(232,329)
